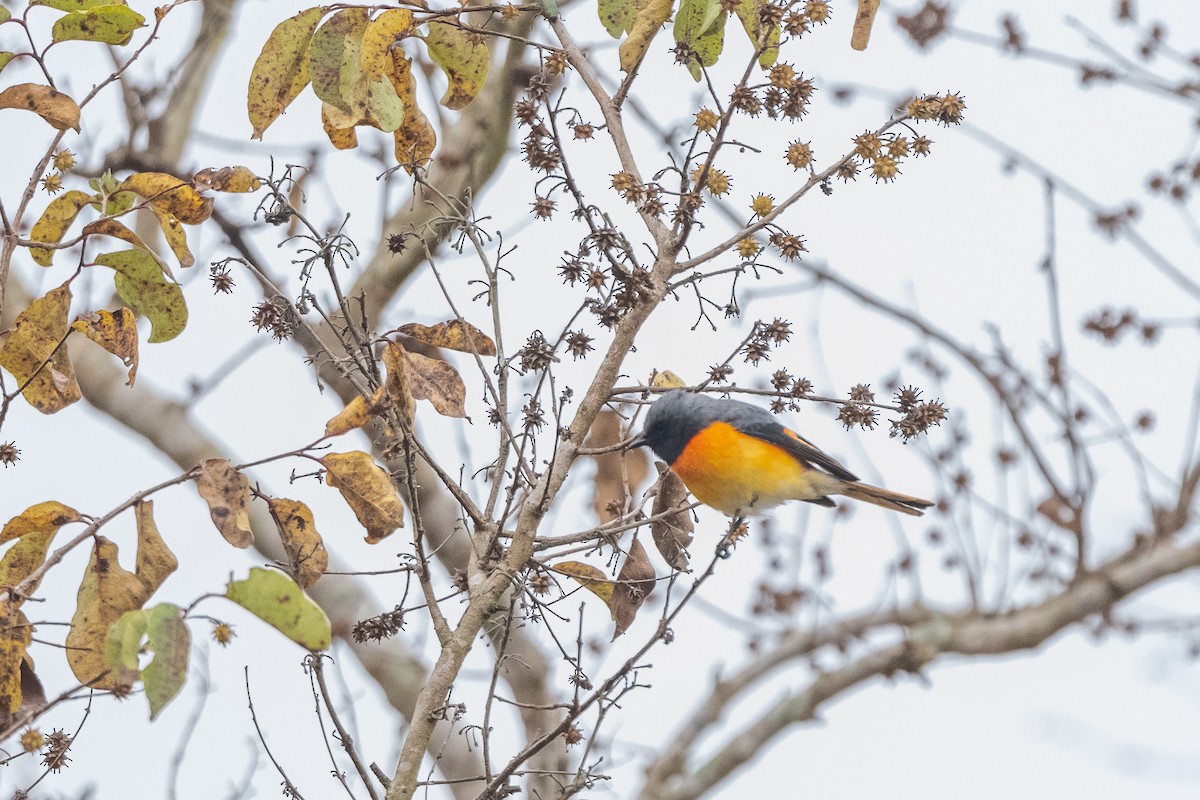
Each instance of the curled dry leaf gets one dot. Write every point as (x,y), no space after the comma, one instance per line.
(635,582)
(616,470)
(303,544)
(368,491)
(666,380)
(397,384)
(864,20)
(454,334)
(109,591)
(650,18)
(115,331)
(227,493)
(171,194)
(673,533)
(50,104)
(415,138)
(35,528)
(357,413)
(438,382)
(227,179)
(626,594)
(33,355)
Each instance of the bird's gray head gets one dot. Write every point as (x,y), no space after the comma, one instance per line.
(671,423)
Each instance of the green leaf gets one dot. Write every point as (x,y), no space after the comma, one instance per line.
(747,12)
(111,23)
(617,16)
(141,284)
(276,599)
(123,645)
(281,71)
(463,56)
(5,57)
(5,16)
(386,107)
(170,639)
(335,63)
(75,5)
(700,25)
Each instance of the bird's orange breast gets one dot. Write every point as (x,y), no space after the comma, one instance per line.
(738,473)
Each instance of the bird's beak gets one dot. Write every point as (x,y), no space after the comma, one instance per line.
(637,441)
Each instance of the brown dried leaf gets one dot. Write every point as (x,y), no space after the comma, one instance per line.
(51,105)
(635,582)
(368,491)
(227,179)
(303,544)
(227,493)
(616,470)
(672,534)
(438,382)
(115,331)
(397,383)
(454,334)
(666,380)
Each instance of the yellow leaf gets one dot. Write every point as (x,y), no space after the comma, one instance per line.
(227,179)
(50,104)
(227,493)
(176,238)
(415,138)
(368,491)
(455,334)
(54,222)
(33,355)
(381,33)
(15,636)
(110,23)
(650,18)
(463,56)
(281,71)
(115,331)
(589,577)
(34,529)
(108,591)
(171,194)
(357,413)
(343,138)
(301,540)
(667,380)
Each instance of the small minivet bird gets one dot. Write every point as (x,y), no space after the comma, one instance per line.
(735,457)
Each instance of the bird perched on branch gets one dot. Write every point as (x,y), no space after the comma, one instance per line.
(737,458)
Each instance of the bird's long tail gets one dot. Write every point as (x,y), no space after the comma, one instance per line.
(905,504)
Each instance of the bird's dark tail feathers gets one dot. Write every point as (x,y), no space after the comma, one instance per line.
(905,504)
